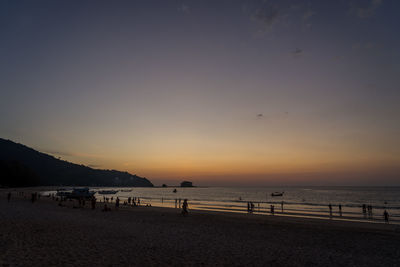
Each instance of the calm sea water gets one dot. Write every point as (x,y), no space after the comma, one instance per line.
(297,201)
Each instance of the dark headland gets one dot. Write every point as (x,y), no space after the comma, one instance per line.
(23,166)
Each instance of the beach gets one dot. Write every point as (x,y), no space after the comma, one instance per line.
(45,234)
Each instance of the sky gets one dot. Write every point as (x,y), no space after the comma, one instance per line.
(215,92)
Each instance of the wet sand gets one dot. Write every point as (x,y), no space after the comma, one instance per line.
(45,234)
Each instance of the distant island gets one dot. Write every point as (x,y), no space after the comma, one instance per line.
(23,166)
(187,184)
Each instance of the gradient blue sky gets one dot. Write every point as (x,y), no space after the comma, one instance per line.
(218,92)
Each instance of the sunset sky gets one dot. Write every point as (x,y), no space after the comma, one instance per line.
(216,92)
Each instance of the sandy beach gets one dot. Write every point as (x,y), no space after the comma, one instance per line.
(45,234)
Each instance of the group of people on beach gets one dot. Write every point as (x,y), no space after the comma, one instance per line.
(366,210)
(179,204)
(135,201)
(250,207)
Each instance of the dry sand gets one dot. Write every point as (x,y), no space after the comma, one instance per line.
(44,234)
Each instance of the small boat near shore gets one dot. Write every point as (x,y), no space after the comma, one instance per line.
(277,194)
(107,192)
(126,190)
(76,193)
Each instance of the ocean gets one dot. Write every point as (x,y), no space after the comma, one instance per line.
(295,201)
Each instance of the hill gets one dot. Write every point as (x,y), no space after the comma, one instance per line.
(23,166)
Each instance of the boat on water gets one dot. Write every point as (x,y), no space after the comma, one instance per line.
(76,193)
(107,192)
(126,190)
(61,189)
(277,194)
(62,192)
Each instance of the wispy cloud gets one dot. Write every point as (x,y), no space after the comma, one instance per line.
(94,166)
(184,8)
(57,152)
(70,154)
(308,14)
(364,45)
(297,53)
(266,16)
(270,14)
(368,10)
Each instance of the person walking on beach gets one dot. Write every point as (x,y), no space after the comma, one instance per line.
(117,203)
(185,207)
(282,206)
(106,208)
(272,210)
(176,203)
(386,216)
(330,209)
(364,210)
(248,207)
(340,210)
(179,200)
(8,196)
(93,203)
(370,211)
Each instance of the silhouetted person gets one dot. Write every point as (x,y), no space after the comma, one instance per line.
(364,210)
(185,207)
(8,196)
(179,203)
(282,206)
(117,203)
(330,209)
(248,207)
(272,209)
(340,210)
(370,211)
(252,206)
(386,216)
(105,208)
(93,203)
(176,203)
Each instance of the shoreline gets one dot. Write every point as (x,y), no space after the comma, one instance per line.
(290,208)
(44,233)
